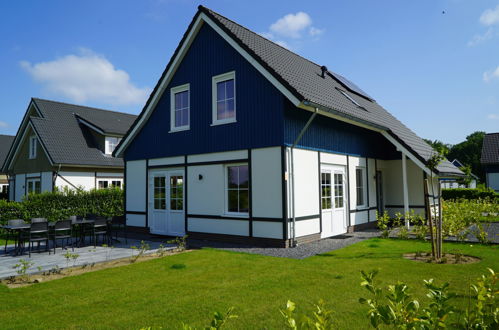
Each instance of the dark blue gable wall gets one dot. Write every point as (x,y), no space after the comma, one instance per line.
(259,106)
(332,135)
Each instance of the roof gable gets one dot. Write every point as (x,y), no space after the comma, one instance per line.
(62,136)
(301,81)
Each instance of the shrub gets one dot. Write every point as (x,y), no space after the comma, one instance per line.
(469,193)
(60,205)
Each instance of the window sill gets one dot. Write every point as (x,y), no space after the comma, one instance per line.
(235,215)
(179,129)
(223,122)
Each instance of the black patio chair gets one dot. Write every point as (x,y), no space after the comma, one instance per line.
(118,222)
(11,233)
(63,231)
(35,220)
(39,232)
(101,227)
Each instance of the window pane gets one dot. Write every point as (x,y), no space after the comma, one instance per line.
(232,203)
(233,176)
(243,176)
(185,99)
(243,201)
(230,108)
(221,90)
(229,87)
(220,109)
(178,101)
(102,184)
(185,117)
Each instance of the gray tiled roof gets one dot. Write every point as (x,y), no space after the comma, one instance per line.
(67,141)
(303,78)
(5,143)
(490,149)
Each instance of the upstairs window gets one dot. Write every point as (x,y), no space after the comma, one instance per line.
(224,98)
(360,186)
(111,143)
(180,108)
(32,147)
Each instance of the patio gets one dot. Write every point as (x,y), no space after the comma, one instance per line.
(87,255)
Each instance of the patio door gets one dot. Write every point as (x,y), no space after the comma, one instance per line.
(166,202)
(333,201)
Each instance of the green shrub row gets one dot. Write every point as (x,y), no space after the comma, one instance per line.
(469,193)
(60,205)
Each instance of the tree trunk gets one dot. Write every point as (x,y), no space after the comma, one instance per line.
(430,220)
(440,219)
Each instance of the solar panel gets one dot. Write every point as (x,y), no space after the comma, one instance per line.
(350,85)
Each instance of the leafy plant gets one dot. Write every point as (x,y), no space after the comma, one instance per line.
(484,313)
(23,266)
(180,243)
(383,222)
(321,318)
(218,321)
(141,250)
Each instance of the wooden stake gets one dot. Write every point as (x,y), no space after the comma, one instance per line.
(429,218)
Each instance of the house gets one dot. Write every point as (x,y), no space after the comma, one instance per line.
(5,142)
(244,140)
(451,183)
(490,160)
(62,145)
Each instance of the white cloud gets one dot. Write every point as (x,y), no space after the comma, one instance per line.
(291,25)
(492,74)
(3,124)
(493,116)
(479,38)
(490,16)
(313,31)
(87,76)
(282,43)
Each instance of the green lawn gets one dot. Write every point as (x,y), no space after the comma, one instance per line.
(162,293)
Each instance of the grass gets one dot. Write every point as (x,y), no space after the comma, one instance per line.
(489,219)
(189,287)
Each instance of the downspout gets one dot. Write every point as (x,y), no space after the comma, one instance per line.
(298,138)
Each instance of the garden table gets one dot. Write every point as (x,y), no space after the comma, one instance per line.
(18,229)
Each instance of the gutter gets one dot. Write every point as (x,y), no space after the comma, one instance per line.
(297,140)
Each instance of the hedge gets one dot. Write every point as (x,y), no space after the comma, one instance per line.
(469,193)
(60,205)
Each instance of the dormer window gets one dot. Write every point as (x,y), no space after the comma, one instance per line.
(224,98)
(32,147)
(111,143)
(180,108)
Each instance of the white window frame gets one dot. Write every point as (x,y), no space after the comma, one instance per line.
(33,181)
(173,91)
(33,141)
(216,79)
(226,192)
(108,150)
(109,182)
(364,187)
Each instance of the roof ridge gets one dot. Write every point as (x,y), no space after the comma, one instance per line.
(258,34)
(497,133)
(84,106)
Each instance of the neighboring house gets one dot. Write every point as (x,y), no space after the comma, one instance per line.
(490,160)
(65,145)
(5,143)
(211,154)
(451,183)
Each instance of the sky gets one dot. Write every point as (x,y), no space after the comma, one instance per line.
(434,64)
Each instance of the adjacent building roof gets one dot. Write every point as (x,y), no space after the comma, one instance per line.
(5,143)
(64,132)
(304,79)
(490,149)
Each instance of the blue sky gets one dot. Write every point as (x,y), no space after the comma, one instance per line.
(437,72)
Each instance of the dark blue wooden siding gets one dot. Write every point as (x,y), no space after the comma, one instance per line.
(259,106)
(332,135)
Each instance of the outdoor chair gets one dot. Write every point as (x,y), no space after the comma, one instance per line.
(118,222)
(63,231)
(39,232)
(10,233)
(35,220)
(101,227)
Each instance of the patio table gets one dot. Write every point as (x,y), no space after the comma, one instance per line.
(19,229)
(81,223)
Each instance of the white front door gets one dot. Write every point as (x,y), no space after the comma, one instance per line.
(166,202)
(333,201)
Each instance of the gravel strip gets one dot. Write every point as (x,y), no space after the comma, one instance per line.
(300,252)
